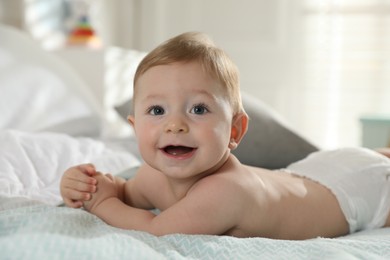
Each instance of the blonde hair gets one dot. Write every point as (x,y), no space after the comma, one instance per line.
(195,46)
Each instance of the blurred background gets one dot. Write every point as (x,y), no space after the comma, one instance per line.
(324,65)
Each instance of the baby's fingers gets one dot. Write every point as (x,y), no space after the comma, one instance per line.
(88,168)
(74,195)
(80,186)
(73,203)
(79,176)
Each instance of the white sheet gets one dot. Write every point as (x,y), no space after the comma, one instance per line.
(31,164)
(30,230)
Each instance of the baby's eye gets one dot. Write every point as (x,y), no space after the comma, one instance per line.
(156,110)
(199,109)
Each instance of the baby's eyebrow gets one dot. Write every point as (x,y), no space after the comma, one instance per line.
(153,96)
(195,92)
(205,93)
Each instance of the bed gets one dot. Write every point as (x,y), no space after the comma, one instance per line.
(50,121)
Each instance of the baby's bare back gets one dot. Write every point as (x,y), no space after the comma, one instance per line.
(245,201)
(284,206)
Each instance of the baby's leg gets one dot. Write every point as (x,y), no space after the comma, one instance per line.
(385,151)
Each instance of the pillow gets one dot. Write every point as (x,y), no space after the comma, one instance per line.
(125,109)
(269,142)
(39,92)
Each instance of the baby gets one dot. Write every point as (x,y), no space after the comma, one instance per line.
(187,118)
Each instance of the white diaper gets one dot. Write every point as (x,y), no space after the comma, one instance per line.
(359,178)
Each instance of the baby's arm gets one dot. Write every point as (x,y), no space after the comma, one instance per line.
(108,187)
(208,209)
(139,190)
(77,184)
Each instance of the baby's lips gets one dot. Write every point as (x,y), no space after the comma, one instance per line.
(177,149)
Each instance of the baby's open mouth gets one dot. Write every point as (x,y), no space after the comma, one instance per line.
(177,150)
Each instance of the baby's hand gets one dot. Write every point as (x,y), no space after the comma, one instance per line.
(77,184)
(107,187)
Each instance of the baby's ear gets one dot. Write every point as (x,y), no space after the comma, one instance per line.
(238,131)
(131,120)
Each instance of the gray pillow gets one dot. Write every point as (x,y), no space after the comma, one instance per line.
(269,142)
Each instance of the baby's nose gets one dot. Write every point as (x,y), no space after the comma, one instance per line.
(176,127)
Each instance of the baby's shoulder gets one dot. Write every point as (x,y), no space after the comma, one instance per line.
(222,184)
(217,192)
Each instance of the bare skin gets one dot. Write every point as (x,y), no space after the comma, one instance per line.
(258,203)
(384,150)
(186,129)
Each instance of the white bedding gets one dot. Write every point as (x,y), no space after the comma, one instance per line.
(31,164)
(30,230)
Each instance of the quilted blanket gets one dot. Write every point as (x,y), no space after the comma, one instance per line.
(34,230)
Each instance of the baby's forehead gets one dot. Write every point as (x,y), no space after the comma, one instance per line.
(159,74)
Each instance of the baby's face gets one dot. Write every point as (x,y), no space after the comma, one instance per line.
(182,120)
